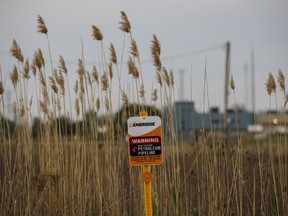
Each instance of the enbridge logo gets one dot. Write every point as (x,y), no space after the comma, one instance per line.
(141,124)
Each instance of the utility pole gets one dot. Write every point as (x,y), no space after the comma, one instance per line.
(181,85)
(226,91)
(253,80)
(246,85)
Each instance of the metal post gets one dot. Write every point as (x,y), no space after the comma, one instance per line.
(147,178)
(227,75)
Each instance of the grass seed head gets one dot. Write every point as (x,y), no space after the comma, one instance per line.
(80,68)
(41,25)
(124,23)
(166,76)
(171,75)
(125,99)
(95,75)
(38,59)
(53,84)
(89,78)
(60,80)
(107,103)
(76,87)
(159,78)
(16,51)
(156,51)
(62,65)
(98,104)
(270,84)
(281,80)
(132,69)
(42,79)
(134,49)
(26,70)
(96,33)
(44,107)
(22,111)
(154,95)
(14,76)
(1,88)
(104,81)
(33,68)
(232,84)
(110,70)
(155,47)
(142,91)
(77,107)
(113,56)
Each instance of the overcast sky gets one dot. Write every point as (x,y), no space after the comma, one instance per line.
(190,32)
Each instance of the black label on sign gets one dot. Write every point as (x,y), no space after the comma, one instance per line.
(145,146)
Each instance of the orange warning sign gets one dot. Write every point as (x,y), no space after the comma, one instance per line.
(144,134)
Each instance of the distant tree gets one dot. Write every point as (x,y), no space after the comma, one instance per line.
(65,126)
(7,127)
(37,126)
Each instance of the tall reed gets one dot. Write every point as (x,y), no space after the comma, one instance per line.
(57,163)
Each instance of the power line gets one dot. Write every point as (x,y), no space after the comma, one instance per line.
(167,58)
(196,52)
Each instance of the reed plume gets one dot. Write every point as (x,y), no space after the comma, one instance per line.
(14,76)
(171,75)
(38,59)
(156,51)
(281,80)
(104,81)
(96,33)
(62,65)
(286,99)
(98,104)
(125,99)
(80,69)
(134,49)
(142,91)
(42,79)
(166,77)
(110,70)
(77,107)
(270,84)
(41,25)
(154,96)
(44,107)
(89,78)
(232,84)
(124,23)
(132,69)
(60,81)
(33,68)
(26,69)
(53,84)
(113,56)
(16,51)
(1,88)
(159,79)
(95,75)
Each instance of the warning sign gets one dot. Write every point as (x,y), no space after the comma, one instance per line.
(145,140)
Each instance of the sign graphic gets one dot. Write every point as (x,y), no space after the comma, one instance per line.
(144,134)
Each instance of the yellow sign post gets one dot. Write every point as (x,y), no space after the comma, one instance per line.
(145,149)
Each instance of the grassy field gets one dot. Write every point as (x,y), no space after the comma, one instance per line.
(48,169)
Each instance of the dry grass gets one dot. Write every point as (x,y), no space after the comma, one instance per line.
(73,169)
